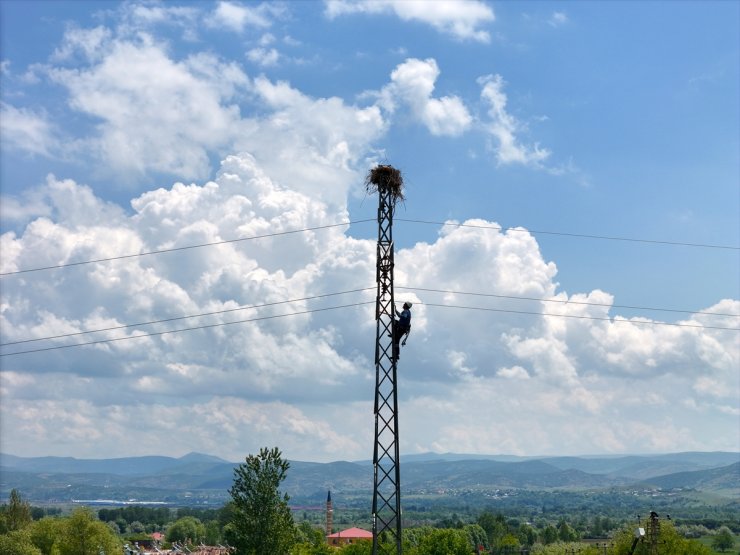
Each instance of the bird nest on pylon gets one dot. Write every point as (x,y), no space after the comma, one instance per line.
(385,178)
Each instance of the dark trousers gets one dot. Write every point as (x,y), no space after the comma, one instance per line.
(398,332)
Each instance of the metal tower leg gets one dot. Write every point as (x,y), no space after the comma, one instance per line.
(387,477)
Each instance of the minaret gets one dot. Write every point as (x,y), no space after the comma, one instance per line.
(329,514)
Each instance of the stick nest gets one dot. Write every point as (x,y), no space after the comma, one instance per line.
(385,178)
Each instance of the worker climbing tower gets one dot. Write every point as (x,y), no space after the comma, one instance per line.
(387,182)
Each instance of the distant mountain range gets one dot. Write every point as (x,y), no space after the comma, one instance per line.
(204,479)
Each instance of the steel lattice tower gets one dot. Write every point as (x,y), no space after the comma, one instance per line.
(387,477)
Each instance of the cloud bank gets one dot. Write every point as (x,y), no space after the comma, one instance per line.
(305,381)
(280,350)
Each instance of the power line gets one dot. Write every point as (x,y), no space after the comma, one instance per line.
(187,247)
(313,297)
(579,235)
(429,222)
(151,322)
(651,308)
(193,328)
(483,309)
(603,319)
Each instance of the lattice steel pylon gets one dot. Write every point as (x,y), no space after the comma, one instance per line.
(653,533)
(386,508)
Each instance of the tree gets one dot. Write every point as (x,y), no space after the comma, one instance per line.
(308,534)
(18,512)
(187,528)
(526,534)
(495,527)
(261,521)
(44,533)
(18,542)
(724,539)
(566,532)
(669,540)
(476,536)
(213,533)
(83,534)
(549,534)
(362,547)
(445,542)
(136,527)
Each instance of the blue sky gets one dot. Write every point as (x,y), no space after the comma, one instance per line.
(610,119)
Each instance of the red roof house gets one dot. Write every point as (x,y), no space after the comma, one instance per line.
(350,535)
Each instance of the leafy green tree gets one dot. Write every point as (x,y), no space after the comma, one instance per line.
(83,534)
(724,539)
(549,534)
(476,536)
(261,522)
(306,533)
(18,542)
(213,533)
(509,543)
(526,534)
(495,527)
(136,527)
(186,529)
(37,513)
(566,532)
(561,548)
(18,512)
(444,542)
(670,541)
(358,548)
(307,548)
(412,537)
(44,533)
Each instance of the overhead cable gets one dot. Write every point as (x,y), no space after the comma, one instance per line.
(193,328)
(568,301)
(174,319)
(579,235)
(477,308)
(187,247)
(276,234)
(313,297)
(580,317)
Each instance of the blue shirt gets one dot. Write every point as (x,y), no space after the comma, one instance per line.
(404,318)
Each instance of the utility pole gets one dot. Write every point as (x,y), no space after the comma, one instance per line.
(386,511)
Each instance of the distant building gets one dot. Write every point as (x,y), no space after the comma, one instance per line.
(351,535)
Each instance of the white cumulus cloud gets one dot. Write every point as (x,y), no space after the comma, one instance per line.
(461,19)
(412,85)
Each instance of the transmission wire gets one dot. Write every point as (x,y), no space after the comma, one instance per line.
(124,326)
(507,311)
(603,319)
(430,222)
(248,307)
(187,247)
(193,328)
(570,302)
(580,235)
